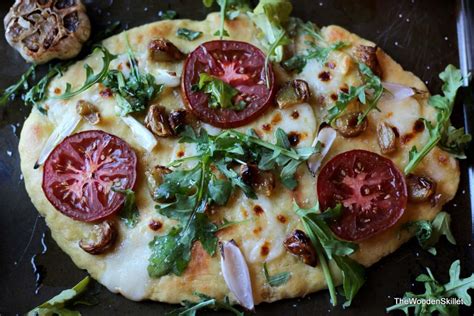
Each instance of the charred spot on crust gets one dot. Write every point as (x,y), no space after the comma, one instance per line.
(419,126)
(155,225)
(324,76)
(281,218)
(295,114)
(258,210)
(294,138)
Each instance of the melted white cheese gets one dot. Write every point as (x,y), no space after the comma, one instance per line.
(401,114)
(251,247)
(126,268)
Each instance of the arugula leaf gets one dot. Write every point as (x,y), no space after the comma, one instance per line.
(319,47)
(449,138)
(133,93)
(188,34)
(190,308)
(328,247)
(270,16)
(428,233)
(129,212)
(18,87)
(227,223)
(456,287)
(220,93)
(281,40)
(37,93)
(57,304)
(91,78)
(184,194)
(372,84)
(167,15)
(277,279)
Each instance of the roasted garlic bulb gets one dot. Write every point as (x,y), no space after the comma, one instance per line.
(41,30)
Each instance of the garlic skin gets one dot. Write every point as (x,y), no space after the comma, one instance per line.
(42,30)
(236,274)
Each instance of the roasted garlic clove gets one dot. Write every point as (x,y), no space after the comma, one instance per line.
(88,111)
(368,55)
(177,120)
(162,50)
(292,93)
(386,138)
(101,238)
(420,189)
(44,30)
(300,245)
(155,178)
(157,121)
(347,125)
(261,181)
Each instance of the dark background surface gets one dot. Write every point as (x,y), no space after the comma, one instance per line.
(421,35)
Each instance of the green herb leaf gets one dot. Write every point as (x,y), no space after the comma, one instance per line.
(456,287)
(270,16)
(57,305)
(135,92)
(129,212)
(372,84)
(188,34)
(220,93)
(328,247)
(449,138)
(19,87)
(167,15)
(298,62)
(184,194)
(91,78)
(428,233)
(277,279)
(205,302)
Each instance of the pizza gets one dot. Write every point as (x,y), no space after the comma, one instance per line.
(185,157)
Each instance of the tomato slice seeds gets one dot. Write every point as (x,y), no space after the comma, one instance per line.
(81,172)
(238,64)
(371,190)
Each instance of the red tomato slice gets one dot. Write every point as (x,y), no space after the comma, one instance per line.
(371,190)
(81,171)
(239,64)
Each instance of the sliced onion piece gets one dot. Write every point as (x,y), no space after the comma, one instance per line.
(144,137)
(398,91)
(64,129)
(236,274)
(326,137)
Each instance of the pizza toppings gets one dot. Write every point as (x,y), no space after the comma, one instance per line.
(386,137)
(420,189)
(101,238)
(88,111)
(177,120)
(236,274)
(156,121)
(44,30)
(162,50)
(348,124)
(300,245)
(224,83)
(261,181)
(292,93)
(326,138)
(371,190)
(81,172)
(368,56)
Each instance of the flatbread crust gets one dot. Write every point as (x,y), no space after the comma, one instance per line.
(125,262)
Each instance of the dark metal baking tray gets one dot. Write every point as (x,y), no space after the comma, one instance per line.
(420,34)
